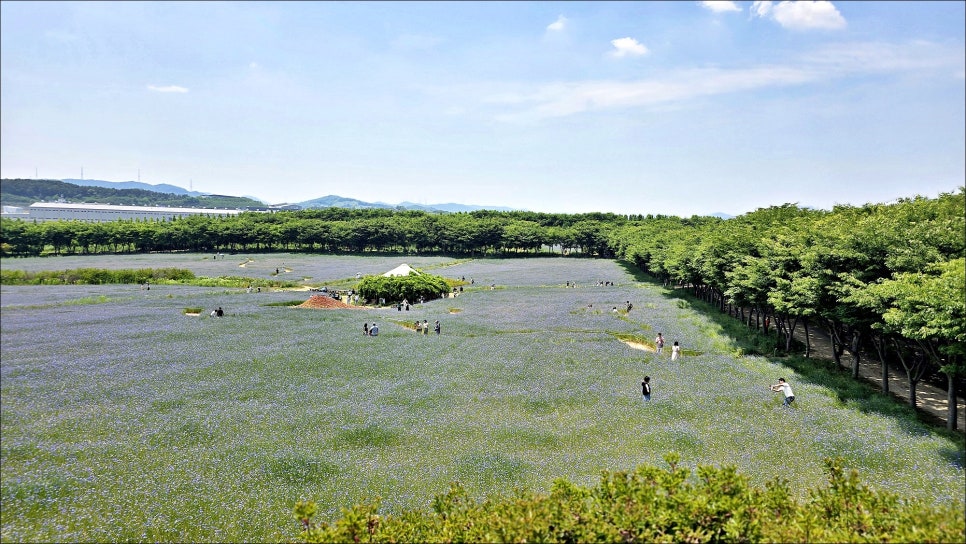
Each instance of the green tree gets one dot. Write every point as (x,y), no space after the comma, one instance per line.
(930,309)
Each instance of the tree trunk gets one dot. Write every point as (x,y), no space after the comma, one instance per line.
(790,334)
(854,350)
(915,369)
(952,413)
(880,348)
(838,345)
(912,389)
(808,341)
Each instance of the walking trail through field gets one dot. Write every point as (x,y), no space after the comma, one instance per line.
(930,399)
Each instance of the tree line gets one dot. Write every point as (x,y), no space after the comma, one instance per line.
(329,230)
(883,278)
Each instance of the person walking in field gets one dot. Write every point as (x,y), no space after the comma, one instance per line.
(675,351)
(659,343)
(786,391)
(437,328)
(365,329)
(646,388)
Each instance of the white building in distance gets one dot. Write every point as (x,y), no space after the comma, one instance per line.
(61,211)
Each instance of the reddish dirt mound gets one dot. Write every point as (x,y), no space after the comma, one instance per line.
(326,303)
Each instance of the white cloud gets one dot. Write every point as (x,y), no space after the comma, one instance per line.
(721,6)
(760,8)
(879,57)
(830,62)
(559,25)
(804,15)
(563,99)
(167,89)
(624,47)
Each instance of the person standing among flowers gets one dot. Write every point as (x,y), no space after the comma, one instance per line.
(646,388)
(675,351)
(786,390)
(659,343)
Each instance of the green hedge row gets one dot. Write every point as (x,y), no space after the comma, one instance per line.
(654,505)
(94,276)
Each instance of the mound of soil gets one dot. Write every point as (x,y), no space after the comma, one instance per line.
(326,303)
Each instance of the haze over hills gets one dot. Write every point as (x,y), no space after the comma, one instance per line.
(158,188)
(329,201)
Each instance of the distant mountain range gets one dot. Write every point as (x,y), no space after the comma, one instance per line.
(334,201)
(159,188)
(25,198)
(331,201)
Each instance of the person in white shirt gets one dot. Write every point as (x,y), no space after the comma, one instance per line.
(786,390)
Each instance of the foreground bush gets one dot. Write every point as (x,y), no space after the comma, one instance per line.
(654,505)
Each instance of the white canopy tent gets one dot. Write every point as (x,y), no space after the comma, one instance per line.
(401,270)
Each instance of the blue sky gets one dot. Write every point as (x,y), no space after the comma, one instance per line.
(675,108)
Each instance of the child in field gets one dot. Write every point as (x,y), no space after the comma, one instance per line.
(646,388)
(675,351)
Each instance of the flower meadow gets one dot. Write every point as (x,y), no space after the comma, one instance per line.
(125,419)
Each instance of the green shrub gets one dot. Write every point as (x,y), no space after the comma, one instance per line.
(95,276)
(396,289)
(676,504)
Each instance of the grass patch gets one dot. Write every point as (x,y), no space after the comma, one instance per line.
(488,469)
(300,469)
(285,303)
(370,436)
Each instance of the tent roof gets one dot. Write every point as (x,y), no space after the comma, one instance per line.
(401,270)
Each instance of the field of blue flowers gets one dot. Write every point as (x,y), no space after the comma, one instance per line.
(125,419)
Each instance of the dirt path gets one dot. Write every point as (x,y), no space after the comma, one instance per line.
(931,399)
